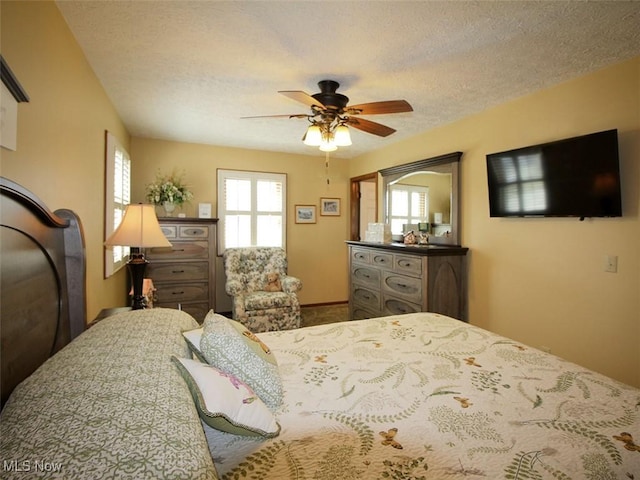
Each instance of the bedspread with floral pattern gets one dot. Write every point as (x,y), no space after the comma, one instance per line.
(423,396)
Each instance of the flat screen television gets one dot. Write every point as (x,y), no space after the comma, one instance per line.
(574,177)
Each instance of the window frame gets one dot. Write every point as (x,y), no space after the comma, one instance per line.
(113,204)
(254,177)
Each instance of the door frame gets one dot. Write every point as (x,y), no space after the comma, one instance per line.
(354,202)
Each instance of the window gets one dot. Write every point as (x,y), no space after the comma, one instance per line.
(408,204)
(251,209)
(117,197)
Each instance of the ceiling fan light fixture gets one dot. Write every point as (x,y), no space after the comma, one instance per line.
(328,145)
(341,136)
(313,137)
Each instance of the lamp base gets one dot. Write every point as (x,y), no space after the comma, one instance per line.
(137,265)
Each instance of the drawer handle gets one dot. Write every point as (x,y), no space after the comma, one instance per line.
(178,250)
(177,293)
(177,271)
(380,260)
(405,264)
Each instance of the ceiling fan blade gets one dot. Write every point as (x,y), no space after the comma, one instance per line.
(370,127)
(302,97)
(376,108)
(291,115)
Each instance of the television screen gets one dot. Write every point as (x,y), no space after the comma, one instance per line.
(575,177)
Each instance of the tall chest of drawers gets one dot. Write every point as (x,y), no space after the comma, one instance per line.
(388,279)
(184,274)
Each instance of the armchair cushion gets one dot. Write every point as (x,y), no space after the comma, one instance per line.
(266,300)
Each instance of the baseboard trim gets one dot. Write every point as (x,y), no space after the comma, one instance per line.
(308,305)
(327,304)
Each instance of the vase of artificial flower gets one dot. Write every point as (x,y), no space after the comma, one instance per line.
(169,207)
(168,191)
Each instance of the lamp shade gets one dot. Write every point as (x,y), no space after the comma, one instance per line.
(342,137)
(313,137)
(139,228)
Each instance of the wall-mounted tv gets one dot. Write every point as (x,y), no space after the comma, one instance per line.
(574,177)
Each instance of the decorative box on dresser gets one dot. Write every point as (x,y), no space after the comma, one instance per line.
(184,274)
(392,279)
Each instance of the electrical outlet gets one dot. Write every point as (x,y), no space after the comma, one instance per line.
(611,263)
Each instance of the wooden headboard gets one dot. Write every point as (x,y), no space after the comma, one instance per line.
(42,283)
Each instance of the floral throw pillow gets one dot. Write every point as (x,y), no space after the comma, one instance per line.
(224,402)
(232,348)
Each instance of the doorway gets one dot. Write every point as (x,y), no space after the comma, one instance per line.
(363,204)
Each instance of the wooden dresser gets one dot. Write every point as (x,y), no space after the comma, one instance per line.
(392,279)
(184,275)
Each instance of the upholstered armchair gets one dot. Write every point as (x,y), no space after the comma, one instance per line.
(250,277)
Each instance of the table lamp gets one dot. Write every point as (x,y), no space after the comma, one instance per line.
(139,229)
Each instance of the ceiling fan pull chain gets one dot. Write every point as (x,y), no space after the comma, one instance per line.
(326,164)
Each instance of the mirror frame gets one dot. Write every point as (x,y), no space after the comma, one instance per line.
(448,163)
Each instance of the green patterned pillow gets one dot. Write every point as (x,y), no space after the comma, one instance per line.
(193,341)
(224,402)
(229,346)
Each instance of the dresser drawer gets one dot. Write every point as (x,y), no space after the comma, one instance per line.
(179,251)
(170,231)
(382,259)
(396,306)
(366,298)
(193,232)
(366,276)
(411,265)
(404,286)
(360,255)
(175,272)
(360,313)
(190,292)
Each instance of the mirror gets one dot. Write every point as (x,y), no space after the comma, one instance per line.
(430,185)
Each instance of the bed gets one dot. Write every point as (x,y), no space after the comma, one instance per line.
(414,396)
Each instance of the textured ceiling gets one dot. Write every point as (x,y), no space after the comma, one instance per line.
(188,70)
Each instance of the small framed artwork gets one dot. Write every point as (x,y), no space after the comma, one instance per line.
(330,207)
(305,214)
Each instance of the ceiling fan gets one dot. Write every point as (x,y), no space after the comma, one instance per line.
(331,115)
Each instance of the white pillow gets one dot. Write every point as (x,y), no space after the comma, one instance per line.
(193,341)
(226,403)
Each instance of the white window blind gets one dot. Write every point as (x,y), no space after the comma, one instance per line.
(251,209)
(117,197)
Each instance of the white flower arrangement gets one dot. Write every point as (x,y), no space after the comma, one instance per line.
(168,188)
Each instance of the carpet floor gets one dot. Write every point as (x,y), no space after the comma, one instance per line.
(320,315)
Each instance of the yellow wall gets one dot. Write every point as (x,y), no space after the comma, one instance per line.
(541,281)
(316,252)
(60,151)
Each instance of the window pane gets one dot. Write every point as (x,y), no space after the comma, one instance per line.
(237,230)
(399,202)
(417,205)
(269,196)
(237,195)
(269,233)
(396,225)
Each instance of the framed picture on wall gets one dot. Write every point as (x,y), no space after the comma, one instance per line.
(330,207)
(305,214)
